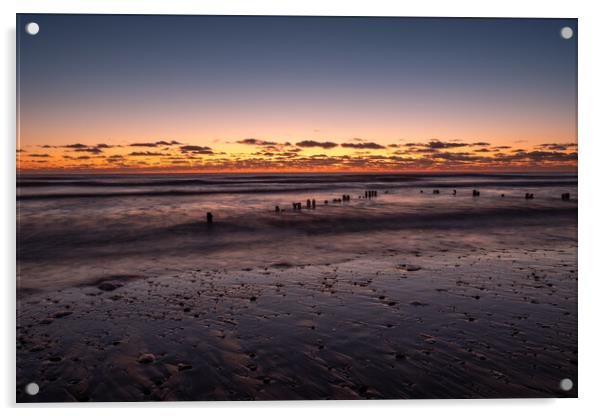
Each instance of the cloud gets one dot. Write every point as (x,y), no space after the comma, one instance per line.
(79,147)
(116,159)
(558,146)
(539,155)
(94,150)
(155,144)
(271,147)
(313,143)
(147,154)
(438,144)
(197,150)
(363,145)
(256,142)
(417,150)
(361,155)
(67,157)
(461,156)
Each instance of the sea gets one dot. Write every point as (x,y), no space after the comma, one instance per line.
(75,228)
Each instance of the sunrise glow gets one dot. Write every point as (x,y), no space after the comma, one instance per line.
(273,96)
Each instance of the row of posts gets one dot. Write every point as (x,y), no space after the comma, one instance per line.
(565,196)
(370,194)
(311,203)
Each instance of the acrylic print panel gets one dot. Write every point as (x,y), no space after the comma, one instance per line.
(275,208)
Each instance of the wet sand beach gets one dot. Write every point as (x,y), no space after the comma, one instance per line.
(404,296)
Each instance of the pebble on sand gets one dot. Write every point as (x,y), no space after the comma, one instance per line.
(417,303)
(108,286)
(409,267)
(183,367)
(146,358)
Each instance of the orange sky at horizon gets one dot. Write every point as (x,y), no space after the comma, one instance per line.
(309,155)
(44,138)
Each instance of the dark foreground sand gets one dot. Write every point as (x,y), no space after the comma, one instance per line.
(434,316)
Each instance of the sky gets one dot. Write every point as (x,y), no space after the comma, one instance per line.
(109,93)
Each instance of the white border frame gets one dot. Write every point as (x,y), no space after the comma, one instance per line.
(590,201)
